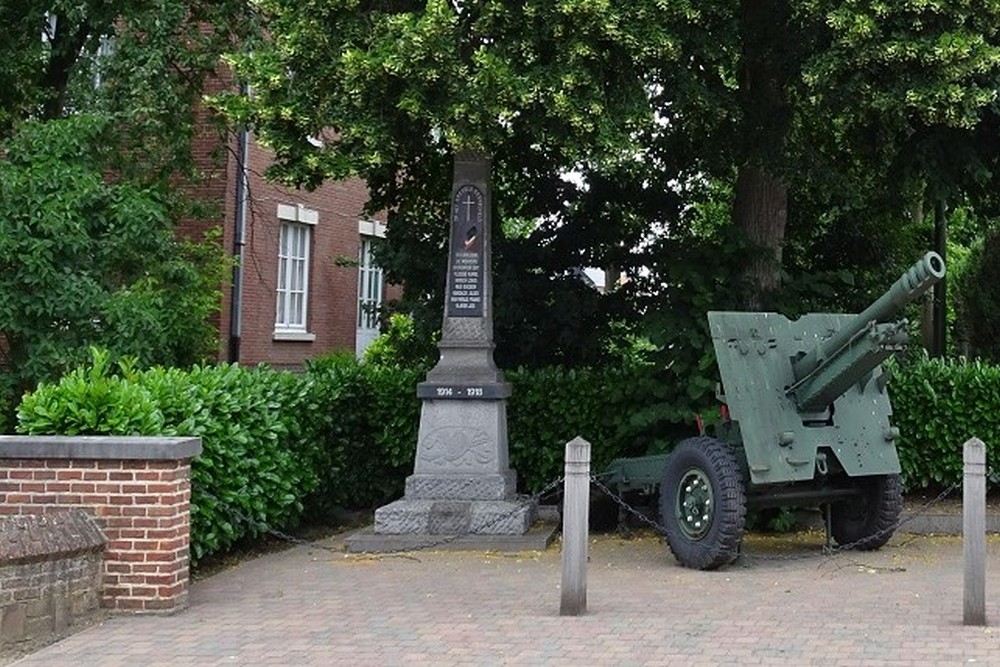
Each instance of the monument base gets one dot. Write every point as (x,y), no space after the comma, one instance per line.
(455,517)
(460,486)
(538,538)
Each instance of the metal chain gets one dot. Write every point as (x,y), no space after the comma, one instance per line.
(851,546)
(900,522)
(622,504)
(659,528)
(263,527)
(260,526)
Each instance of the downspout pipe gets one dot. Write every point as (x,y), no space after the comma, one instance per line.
(239,240)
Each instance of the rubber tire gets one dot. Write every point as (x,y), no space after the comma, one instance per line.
(720,544)
(867,523)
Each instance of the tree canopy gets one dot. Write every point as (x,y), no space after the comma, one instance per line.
(98,104)
(773,154)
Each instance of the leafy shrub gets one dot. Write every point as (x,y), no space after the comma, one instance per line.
(938,405)
(395,419)
(371,415)
(91,401)
(400,346)
(978,298)
(259,459)
(255,469)
(608,407)
(89,260)
(367,416)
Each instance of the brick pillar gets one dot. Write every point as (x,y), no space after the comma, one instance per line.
(137,489)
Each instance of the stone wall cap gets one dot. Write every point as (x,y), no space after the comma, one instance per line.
(33,537)
(99,447)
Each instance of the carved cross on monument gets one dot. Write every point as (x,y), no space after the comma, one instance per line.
(462,482)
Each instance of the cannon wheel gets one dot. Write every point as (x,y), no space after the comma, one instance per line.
(868,521)
(703,503)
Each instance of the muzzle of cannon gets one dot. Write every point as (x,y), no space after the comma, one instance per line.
(863,343)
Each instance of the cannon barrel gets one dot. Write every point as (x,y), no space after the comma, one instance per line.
(911,285)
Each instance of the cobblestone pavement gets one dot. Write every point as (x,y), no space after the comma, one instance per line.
(781,604)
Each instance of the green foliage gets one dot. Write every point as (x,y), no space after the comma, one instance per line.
(978,297)
(604,122)
(369,416)
(142,65)
(617,410)
(88,260)
(98,103)
(459,75)
(400,345)
(772,520)
(92,400)
(629,348)
(691,275)
(943,58)
(938,405)
(260,459)
(541,88)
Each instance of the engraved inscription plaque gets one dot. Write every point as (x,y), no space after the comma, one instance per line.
(466,265)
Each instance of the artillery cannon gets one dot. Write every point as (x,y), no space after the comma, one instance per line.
(806,421)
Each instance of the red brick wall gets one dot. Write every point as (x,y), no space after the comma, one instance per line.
(333,289)
(332,309)
(143,508)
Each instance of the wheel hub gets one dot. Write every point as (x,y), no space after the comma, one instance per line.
(695,504)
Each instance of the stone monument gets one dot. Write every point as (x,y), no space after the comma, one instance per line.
(462,483)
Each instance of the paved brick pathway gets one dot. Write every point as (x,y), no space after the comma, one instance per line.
(309,606)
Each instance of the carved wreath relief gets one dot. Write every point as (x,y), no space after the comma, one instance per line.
(456,447)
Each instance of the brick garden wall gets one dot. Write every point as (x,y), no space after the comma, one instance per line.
(137,489)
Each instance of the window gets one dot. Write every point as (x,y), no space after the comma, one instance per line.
(294,241)
(370,286)
(293,278)
(104,51)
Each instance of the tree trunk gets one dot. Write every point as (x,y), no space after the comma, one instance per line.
(66,46)
(761,211)
(760,207)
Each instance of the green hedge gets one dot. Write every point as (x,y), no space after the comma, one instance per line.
(278,445)
(370,415)
(938,405)
(615,409)
(261,455)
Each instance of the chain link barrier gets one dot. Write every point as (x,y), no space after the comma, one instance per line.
(625,509)
(262,527)
(826,550)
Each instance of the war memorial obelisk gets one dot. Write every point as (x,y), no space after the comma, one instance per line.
(462,483)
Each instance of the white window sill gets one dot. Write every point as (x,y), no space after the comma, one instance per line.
(300,336)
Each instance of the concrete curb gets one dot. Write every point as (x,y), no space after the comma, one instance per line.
(942,524)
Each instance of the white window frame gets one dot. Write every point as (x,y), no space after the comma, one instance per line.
(290,319)
(104,51)
(371,281)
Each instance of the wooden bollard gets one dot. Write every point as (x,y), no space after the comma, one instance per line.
(576,508)
(974,531)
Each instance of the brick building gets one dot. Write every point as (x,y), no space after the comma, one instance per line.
(305,283)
